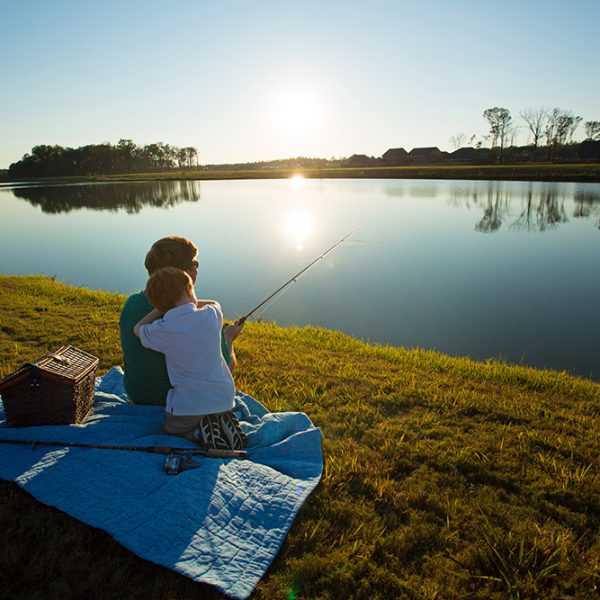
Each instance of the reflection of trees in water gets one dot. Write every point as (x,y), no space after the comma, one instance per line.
(587,203)
(495,210)
(542,205)
(394,191)
(463,194)
(424,190)
(543,211)
(131,197)
(418,190)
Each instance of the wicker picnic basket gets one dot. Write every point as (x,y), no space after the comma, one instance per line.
(56,389)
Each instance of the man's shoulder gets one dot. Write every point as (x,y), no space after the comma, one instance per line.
(135,307)
(137,299)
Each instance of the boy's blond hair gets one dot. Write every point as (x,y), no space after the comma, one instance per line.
(172,251)
(167,287)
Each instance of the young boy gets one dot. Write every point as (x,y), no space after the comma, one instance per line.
(199,404)
(146,379)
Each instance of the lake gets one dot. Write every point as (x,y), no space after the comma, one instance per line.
(505,270)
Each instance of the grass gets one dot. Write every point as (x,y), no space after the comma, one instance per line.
(585,172)
(444,478)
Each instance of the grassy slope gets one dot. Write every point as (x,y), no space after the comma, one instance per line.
(444,478)
(588,172)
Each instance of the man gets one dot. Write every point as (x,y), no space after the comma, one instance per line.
(146,378)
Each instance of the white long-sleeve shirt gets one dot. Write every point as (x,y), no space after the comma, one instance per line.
(190,339)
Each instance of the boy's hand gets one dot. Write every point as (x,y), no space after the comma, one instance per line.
(149,318)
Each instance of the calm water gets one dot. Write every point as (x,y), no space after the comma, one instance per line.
(487,269)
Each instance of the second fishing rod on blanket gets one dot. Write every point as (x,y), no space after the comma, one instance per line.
(178,459)
(293,279)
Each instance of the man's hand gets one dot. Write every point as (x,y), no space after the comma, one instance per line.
(203,303)
(232,331)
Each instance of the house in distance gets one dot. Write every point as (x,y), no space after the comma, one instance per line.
(587,151)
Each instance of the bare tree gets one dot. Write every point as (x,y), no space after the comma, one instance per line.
(500,122)
(458,140)
(482,142)
(536,120)
(512,131)
(569,125)
(560,127)
(592,130)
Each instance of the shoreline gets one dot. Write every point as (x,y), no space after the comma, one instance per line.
(441,456)
(25,281)
(544,172)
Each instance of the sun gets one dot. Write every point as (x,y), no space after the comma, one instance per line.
(297,111)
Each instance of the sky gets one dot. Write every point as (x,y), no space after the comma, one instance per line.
(251,80)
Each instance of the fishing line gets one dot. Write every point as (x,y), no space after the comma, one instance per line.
(353,243)
(267,306)
(277,293)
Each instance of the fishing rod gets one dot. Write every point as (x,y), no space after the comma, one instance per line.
(211,452)
(294,278)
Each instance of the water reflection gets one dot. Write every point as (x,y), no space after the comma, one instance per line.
(395,191)
(131,197)
(417,189)
(297,182)
(496,207)
(541,211)
(424,190)
(298,226)
(542,207)
(587,203)
(418,273)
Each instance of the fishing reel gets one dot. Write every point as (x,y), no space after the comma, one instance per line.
(179,461)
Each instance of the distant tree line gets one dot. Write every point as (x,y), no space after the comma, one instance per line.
(299,162)
(123,157)
(551,135)
(127,157)
(547,128)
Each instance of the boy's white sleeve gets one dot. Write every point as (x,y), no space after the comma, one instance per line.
(152,336)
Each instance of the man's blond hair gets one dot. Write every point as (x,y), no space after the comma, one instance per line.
(167,287)
(172,251)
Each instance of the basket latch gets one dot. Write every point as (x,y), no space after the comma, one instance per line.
(34,375)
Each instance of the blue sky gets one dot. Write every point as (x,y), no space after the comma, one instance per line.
(255,80)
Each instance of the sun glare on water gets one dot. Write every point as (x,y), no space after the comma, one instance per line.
(298,226)
(296,182)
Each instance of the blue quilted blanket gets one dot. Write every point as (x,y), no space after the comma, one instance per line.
(221,522)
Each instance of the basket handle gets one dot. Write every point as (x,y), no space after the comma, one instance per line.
(61,359)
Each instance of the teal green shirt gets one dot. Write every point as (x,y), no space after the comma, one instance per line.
(146,378)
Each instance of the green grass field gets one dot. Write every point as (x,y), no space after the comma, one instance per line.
(444,478)
(588,172)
